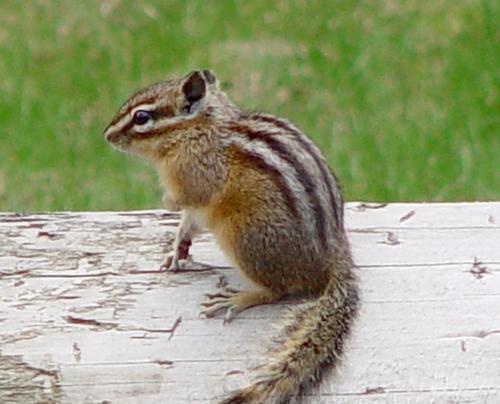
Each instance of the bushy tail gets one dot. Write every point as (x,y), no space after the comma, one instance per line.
(313,345)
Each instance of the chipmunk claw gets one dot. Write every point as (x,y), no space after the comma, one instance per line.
(171,264)
(224,300)
(178,259)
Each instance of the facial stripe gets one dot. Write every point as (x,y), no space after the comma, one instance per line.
(159,111)
(164,125)
(164,111)
(330,182)
(144,107)
(120,126)
(125,121)
(128,106)
(300,171)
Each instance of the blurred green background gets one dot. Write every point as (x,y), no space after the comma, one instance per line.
(402,96)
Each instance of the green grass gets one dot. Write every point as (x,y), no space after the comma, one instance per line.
(402,96)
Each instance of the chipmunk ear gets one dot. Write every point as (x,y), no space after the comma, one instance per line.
(194,87)
(209,76)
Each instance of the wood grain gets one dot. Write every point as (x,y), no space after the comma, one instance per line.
(86,317)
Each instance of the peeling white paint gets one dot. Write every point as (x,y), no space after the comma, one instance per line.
(85,316)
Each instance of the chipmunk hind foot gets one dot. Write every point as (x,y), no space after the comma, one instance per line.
(235,301)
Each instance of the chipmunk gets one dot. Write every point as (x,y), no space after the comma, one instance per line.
(266,193)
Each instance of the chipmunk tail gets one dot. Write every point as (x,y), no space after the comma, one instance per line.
(314,343)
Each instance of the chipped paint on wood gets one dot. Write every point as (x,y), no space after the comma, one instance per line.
(24,383)
(86,317)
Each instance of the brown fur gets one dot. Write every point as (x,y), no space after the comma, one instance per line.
(277,216)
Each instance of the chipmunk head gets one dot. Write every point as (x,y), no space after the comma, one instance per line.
(160,114)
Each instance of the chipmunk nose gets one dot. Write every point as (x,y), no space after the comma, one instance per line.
(111,136)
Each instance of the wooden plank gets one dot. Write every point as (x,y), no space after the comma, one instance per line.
(86,317)
(418,215)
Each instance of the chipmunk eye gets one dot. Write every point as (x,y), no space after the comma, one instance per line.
(142,117)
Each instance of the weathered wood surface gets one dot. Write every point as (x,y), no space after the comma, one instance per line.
(85,317)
